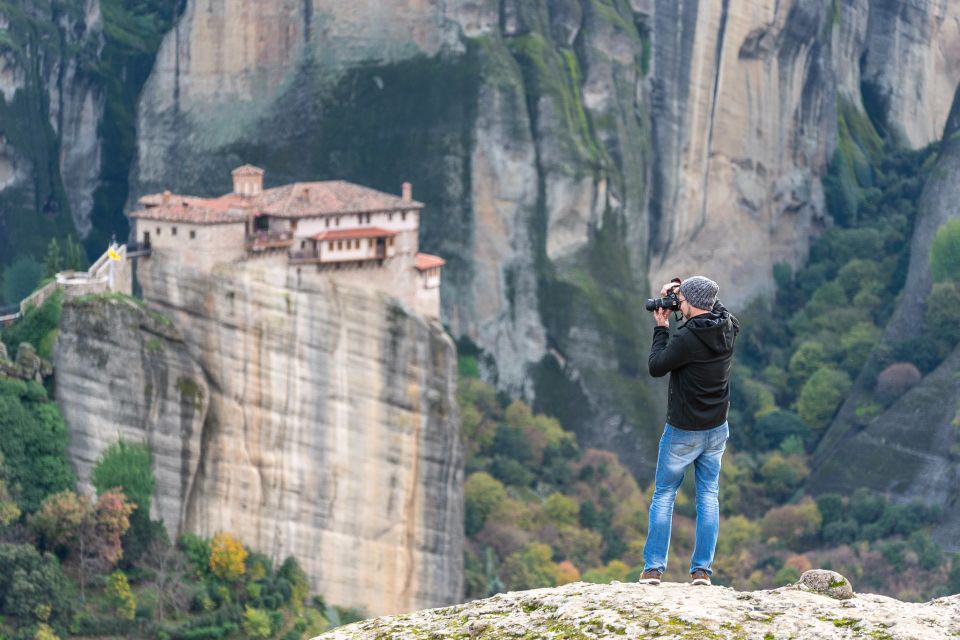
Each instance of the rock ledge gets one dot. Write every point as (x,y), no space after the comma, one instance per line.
(585,611)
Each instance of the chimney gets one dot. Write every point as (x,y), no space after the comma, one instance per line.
(166,197)
(247,180)
(407,191)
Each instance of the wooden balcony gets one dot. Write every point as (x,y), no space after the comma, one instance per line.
(265,240)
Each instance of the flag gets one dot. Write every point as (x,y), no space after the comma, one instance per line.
(113,254)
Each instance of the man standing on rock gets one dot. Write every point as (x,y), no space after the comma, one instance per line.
(698,357)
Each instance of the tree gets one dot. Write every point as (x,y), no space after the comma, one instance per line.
(830,506)
(866,506)
(530,568)
(482,495)
(821,395)
(567,572)
(256,623)
(88,533)
(121,596)
(33,441)
(53,262)
(9,511)
(896,380)
(227,557)
(168,571)
(561,510)
(20,279)
(771,430)
(795,525)
(32,586)
(945,252)
(944,305)
(807,359)
(126,466)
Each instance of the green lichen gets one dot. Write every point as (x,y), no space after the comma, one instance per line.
(153,345)
(190,391)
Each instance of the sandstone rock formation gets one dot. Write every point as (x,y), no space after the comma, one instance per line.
(673,610)
(315,421)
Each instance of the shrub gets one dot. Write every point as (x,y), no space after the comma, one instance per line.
(567,572)
(771,430)
(830,506)
(530,568)
(929,553)
(227,557)
(945,252)
(482,495)
(866,506)
(795,525)
(840,532)
(940,323)
(897,379)
(32,586)
(821,395)
(256,623)
(120,595)
(783,474)
(786,575)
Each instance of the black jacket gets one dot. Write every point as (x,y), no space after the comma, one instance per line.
(698,357)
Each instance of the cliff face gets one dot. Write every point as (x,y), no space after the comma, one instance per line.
(318,422)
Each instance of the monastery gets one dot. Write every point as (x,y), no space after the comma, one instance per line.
(337,229)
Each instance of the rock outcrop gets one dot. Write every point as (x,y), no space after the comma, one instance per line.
(317,421)
(809,609)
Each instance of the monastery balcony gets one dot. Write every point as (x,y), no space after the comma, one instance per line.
(266,240)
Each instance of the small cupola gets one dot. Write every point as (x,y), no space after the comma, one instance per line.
(247,180)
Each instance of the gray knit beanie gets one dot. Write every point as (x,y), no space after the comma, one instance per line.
(700,292)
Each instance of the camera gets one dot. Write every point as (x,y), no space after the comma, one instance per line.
(670,302)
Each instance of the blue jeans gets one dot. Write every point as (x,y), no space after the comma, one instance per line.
(679,448)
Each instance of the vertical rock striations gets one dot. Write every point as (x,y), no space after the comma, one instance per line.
(124,372)
(323,425)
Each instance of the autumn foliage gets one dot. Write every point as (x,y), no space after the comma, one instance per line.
(227,557)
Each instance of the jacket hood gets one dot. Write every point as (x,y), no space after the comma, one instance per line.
(717,330)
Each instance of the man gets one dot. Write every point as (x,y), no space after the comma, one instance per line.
(698,358)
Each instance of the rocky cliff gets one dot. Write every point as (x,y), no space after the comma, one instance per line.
(821,605)
(572,153)
(318,422)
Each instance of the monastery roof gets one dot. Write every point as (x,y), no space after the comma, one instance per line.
(352,234)
(297,200)
(314,199)
(176,208)
(426,261)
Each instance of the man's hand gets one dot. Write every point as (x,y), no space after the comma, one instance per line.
(667,288)
(662,317)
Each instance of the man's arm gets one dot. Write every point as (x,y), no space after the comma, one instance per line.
(666,354)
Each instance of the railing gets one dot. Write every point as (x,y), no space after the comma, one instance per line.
(303,257)
(269,240)
(9,314)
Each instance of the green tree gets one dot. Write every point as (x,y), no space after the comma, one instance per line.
(831,507)
(33,441)
(771,430)
(35,325)
(794,525)
(530,568)
(945,252)
(942,310)
(821,395)
(127,466)
(561,510)
(32,586)
(482,495)
(20,279)
(256,623)
(53,262)
(807,359)
(867,506)
(9,511)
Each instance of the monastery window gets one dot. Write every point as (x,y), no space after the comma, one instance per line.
(370,243)
(390,216)
(338,221)
(327,221)
(403,216)
(339,245)
(193,235)
(359,218)
(368,218)
(330,245)
(391,242)
(173,231)
(158,231)
(303,244)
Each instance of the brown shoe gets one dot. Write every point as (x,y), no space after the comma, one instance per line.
(700,577)
(651,576)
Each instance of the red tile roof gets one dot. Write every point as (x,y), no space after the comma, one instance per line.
(314,199)
(426,261)
(360,232)
(297,200)
(176,208)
